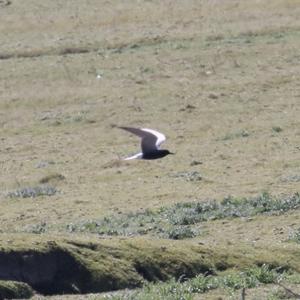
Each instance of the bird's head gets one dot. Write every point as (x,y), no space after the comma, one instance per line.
(167,152)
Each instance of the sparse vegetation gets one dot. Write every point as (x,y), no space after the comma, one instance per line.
(36,228)
(248,278)
(32,192)
(277,129)
(59,119)
(173,222)
(290,178)
(295,236)
(188,176)
(293,278)
(15,290)
(183,232)
(235,135)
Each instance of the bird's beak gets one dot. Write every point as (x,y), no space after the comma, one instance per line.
(172,153)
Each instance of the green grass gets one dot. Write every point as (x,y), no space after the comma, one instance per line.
(176,289)
(293,278)
(174,222)
(105,265)
(295,236)
(98,266)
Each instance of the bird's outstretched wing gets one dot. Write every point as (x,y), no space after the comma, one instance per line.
(151,139)
(160,138)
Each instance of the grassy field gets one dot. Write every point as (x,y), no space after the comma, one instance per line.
(219,78)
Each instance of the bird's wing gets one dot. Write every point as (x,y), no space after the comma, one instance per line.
(151,139)
(136,131)
(160,138)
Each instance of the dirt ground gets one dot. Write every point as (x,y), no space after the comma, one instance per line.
(219,78)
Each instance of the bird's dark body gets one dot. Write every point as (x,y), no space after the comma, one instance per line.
(156,154)
(150,142)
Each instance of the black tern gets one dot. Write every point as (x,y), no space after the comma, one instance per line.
(151,140)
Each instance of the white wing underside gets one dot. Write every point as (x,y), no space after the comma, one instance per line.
(160,137)
(136,156)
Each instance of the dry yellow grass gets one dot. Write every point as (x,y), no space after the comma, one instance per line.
(219,78)
(238,77)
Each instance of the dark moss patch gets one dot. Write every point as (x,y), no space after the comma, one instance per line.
(52,177)
(56,270)
(85,266)
(15,290)
(276,129)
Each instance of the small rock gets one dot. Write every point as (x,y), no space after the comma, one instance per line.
(213,96)
(196,163)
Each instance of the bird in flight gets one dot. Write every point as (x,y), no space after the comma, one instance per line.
(151,140)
